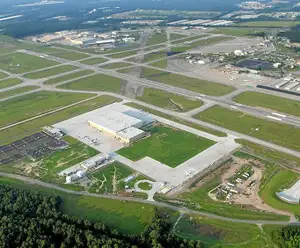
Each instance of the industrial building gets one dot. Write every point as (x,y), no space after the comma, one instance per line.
(119,125)
(291,195)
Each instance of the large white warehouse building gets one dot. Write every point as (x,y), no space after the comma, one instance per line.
(119,125)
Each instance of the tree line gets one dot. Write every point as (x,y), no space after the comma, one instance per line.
(287,237)
(29,219)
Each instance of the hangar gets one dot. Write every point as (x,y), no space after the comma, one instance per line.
(291,195)
(119,125)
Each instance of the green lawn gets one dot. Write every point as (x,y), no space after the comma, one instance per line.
(145,186)
(271,131)
(61,53)
(50,72)
(60,160)
(174,36)
(3,75)
(235,31)
(98,82)
(17,91)
(272,24)
(32,126)
(162,64)
(102,179)
(9,82)
(269,154)
(125,216)
(122,55)
(155,56)
(116,65)
(177,146)
(24,107)
(282,179)
(209,41)
(93,61)
(189,83)
(21,63)
(168,100)
(199,199)
(181,121)
(68,77)
(217,233)
(281,104)
(157,38)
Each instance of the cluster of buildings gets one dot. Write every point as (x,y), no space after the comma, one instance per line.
(84,38)
(257,5)
(142,22)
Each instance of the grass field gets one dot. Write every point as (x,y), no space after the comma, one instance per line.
(271,24)
(9,82)
(68,77)
(282,179)
(277,133)
(32,126)
(3,75)
(116,65)
(110,178)
(162,64)
(77,152)
(209,41)
(199,197)
(127,217)
(98,82)
(174,36)
(24,107)
(122,55)
(9,93)
(155,56)
(281,104)
(168,100)
(181,121)
(269,154)
(178,146)
(93,61)
(216,233)
(237,31)
(21,63)
(157,39)
(193,84)
(50,72)
(61,53)
(145,186)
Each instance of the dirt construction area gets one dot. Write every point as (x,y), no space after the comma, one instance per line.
(239,188)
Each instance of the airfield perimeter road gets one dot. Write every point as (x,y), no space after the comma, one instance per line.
(154,203)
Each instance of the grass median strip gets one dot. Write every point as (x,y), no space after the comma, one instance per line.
(276,103)
(93,61)
(3,75)
(22,63)
(271,131)
(30,105)
(116,65)
(61,53)
(9,93)
(175,119)
(9,82)
(69,77)
(30,127)
(122,55)
(189,83)
(50,72)
(97,82)
(168,100)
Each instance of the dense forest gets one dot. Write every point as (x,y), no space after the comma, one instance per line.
(29,219)
(287,237)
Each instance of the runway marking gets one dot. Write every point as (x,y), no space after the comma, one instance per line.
(275,118)
(279,115)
